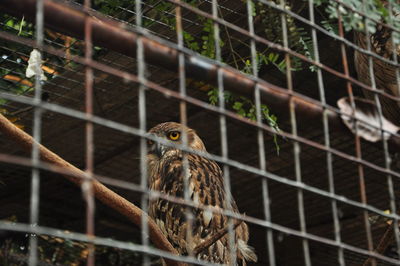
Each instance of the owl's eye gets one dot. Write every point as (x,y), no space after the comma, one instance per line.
(174,135)
(150,142)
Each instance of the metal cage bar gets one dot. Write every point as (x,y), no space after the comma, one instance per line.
(151,52)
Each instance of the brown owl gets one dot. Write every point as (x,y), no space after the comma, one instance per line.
(385,74)
(206,186)
(385,80)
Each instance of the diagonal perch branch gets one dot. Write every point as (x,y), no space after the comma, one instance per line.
(101,192)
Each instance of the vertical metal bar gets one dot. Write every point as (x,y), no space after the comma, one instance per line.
(37,125)
(296,146)
(260,137)
(387,155)
(384,142)
(394,47)
(141,68)
(223,132)
(329,158)
(87,183)
(183,120)
(357,140)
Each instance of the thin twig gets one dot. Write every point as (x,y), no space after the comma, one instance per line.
(101,192)
(229,40)
(215,237)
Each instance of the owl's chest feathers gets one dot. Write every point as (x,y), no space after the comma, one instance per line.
(164,170)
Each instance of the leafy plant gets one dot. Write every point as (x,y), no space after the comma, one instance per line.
(299,39)
(374,9)
(246,108)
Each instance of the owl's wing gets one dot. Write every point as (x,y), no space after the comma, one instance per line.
(170,217)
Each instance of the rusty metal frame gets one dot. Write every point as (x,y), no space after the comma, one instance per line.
(191,100)
(262,174)
(113,35)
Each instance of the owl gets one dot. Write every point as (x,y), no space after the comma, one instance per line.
(385,74)
(206,186)
(385,80)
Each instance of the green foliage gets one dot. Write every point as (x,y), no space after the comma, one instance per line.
(21,27)
(246,108)
(265,58)
(11,61)
(206,45)
(190,41)
(374,9)
(112,7)
(330,26)
(14,57)
(299,39)
(161,12)
(12,69)
(208,41)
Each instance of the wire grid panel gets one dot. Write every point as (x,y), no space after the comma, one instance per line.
(259,82)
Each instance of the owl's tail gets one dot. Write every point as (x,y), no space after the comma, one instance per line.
(246,251)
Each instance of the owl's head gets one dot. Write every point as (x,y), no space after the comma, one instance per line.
(173,132)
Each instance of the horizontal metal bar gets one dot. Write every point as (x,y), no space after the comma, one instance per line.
(170,93)
(329,34)
(112,35)
(19,227)
(101,192)
(100,241)
(293,53)
(155,194)
(167,57)
(165,91)
(261,173)
(188,99)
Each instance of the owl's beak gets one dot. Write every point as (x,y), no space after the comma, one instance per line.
(160,149)
(157,148)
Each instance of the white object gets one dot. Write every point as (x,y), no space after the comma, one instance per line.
(369,122)
(35,65)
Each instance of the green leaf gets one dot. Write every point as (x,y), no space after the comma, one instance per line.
(242,112)
(237,105)
(10,23)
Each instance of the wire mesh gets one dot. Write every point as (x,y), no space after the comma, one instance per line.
(258,80)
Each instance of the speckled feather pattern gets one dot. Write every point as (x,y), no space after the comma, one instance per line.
(206,186)
(385,74)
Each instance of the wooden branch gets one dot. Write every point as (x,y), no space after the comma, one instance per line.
(215,237)
(101,192)
(386,239)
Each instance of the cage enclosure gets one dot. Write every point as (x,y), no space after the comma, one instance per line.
(296,103)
